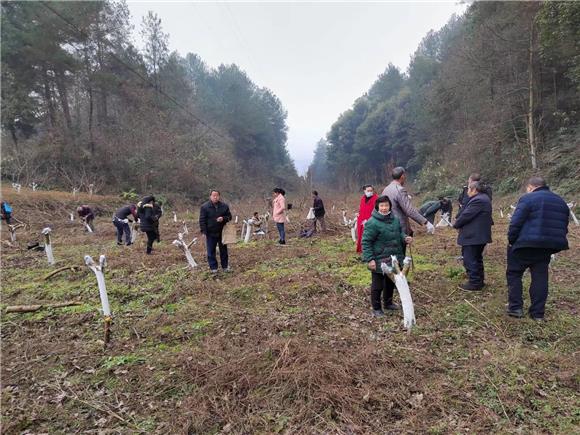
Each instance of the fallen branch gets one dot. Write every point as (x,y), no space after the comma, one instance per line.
(32,308)
(62,269)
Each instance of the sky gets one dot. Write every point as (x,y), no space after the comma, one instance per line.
(316,57)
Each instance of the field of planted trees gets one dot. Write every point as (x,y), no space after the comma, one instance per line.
(285,344)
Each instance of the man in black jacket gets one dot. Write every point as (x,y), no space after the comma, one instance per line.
(147,220)
(213,216)
(474,225)
(121,221)
(319,211)
(464,197)
(538,228)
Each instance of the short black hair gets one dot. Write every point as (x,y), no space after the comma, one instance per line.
(214,190)
(381,199)
(367,185)
(279,190)
(398,172)
(537,181)
(315,192)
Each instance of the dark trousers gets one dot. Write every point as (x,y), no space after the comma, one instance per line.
(473,263)
(151,237)
(322,223)
(122,227)
(381,284)
(156,226)
(211,243)
(537,260)
(281,231)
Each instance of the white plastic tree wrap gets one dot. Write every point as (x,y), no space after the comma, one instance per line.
(17,187)
(445,221)
(34,185)
(572,215)
(236,220)
(48,246)
(75,191)
(399,277)
(501,213)
(99,271)
(184,246)
(247,226)
(87,226)
(350,223)
(91,189)
(174,217)
(184,229)
(134,228)
(12,229)
(72,217)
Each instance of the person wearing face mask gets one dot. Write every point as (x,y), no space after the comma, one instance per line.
(383,237)
(538,229)
(365,210)
(474,225)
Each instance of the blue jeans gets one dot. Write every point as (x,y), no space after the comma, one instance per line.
(122,227)
(211,243)
(282,231)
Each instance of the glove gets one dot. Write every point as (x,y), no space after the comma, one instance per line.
(430,228)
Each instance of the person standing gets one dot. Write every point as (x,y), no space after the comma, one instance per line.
(401,204)
(474,225)
(365,210)
(121,221)
(382,238)
(319,212)
(6,212)
(213,216)
(538,229)
(87,216)
(464,197)
(279,212)
(147,219)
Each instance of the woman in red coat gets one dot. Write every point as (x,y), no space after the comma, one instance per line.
(367,205)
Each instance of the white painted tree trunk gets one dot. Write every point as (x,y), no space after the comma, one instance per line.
(99,273)
(34,186)
(87,226)
(91,187)
(501,213)
(72,217)
(402,285)
(181,244)
(353,233)
(134,228)
(75,191)
(174,217)
(48,246)
(248,233)
(445,221)
(12,230)
(574,218)
(17,187)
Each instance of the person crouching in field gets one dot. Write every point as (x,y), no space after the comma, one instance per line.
(121,221)
(87,216)
(382,238)
(147,218)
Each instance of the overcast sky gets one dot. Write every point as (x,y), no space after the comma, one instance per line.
(316,57)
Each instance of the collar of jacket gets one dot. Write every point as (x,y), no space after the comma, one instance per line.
(382,217)
(540,188)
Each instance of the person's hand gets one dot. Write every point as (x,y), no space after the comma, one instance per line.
(220,219)
(372,265)
(430,228)
(408,240)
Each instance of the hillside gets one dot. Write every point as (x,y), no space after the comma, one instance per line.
(285,344)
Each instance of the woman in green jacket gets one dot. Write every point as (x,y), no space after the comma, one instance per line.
(382,237)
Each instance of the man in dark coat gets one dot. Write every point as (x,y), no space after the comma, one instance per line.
(87,215)
(464,197)
(121,221)
(538,229)
(319,211)
(147,220)
(474,225)
(213,216)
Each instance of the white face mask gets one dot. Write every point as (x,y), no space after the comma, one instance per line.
(368,194)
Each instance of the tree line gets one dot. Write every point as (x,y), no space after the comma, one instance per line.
(496,91)
(82,105)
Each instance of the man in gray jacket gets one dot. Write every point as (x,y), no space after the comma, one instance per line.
(401,204)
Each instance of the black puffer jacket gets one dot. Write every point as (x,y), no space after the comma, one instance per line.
(146,214)
(208,215)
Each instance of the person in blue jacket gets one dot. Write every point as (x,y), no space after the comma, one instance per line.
(538,229)
(474,225)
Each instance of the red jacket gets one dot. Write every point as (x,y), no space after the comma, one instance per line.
(365,211)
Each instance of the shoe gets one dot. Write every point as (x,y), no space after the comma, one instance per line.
(378,313)
(537,319)
(129,244)
(282,242)
(470,287)
(228,270)
(518,313)
(119,243)
(392,307)
(214,271)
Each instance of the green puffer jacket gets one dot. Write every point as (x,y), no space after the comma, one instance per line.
(382,237)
